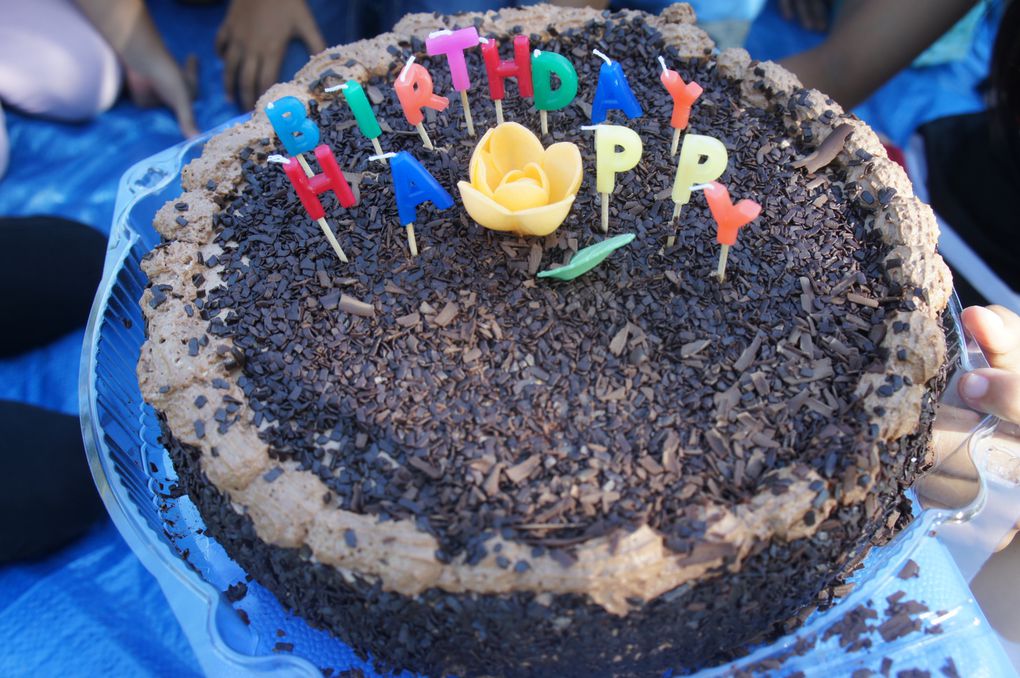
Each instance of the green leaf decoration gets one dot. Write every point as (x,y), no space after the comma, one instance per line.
(588,258)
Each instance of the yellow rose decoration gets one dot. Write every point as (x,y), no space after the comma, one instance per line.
(518,186)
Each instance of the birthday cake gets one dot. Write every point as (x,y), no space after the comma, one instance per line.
(457,466)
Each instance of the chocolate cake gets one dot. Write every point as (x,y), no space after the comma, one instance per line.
(457,467)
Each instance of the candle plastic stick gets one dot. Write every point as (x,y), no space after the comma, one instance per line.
(467,112)
(499,111)
(605,211)
(377,146)
(720,271)
(675,221)
(412,244)
(425,140)
(676,142)
(545,122)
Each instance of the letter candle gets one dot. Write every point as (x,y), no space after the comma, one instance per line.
(609,161)
(729,218)
(702,159)
(413,185)
(414,90)
(613,91)
(453,44)
(308,186)
(519,67)
(354,95)
(543,66)
(299,135)
(684,96)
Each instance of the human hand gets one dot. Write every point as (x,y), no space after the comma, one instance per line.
(994,389)
(810,14)
(252,41)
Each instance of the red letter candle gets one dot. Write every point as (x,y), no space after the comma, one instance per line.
(498,71)
(684,96)
(453,44)
(414,90)
(309,188)
(729,218)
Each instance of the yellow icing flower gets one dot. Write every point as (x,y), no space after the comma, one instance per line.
(518,186)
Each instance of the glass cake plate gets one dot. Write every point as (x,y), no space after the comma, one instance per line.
(252,634)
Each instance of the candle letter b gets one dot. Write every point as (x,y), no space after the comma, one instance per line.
(290,121)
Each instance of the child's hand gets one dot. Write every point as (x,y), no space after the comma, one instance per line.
(995,389)
(253,39)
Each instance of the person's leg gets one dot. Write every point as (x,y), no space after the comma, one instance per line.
(47,496)
(53,63)
(5,147)
(49,271)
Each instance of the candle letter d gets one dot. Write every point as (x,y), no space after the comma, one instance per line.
(309,188)
(290,121)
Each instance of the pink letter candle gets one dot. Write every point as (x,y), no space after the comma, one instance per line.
(453,44)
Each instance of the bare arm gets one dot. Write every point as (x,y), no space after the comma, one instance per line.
(128,28)
(873,43)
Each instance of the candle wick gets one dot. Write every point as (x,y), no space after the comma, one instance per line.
(537,53)
(602,56)
(701,187)
(277,159)
(382,157)
(403,73)
(589,127)
(663,62)
(483,41)
(335,88)
(442,31)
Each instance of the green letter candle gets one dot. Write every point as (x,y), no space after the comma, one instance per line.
(543,65)
(354,95)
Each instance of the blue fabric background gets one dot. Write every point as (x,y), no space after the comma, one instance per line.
(92,608)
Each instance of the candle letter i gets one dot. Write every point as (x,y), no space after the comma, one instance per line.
(684,95)
(299,135)
(414,89)
(543,66)
(354,95)
(498,71)
(453,44)
(609,161)
(729,218)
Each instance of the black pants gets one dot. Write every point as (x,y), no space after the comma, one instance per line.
(49,271)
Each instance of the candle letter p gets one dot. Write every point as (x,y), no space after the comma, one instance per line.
(702,159)
(609,160)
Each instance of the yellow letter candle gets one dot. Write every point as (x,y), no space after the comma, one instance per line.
(702,160)
(617,149)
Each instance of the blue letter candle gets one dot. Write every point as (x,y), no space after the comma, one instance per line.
(413,185)
(613,91)
(290,122)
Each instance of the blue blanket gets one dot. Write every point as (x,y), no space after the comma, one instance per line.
(93,609)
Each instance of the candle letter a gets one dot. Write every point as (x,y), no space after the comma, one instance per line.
(413,185)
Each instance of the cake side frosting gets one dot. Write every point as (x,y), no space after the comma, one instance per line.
(289,510)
